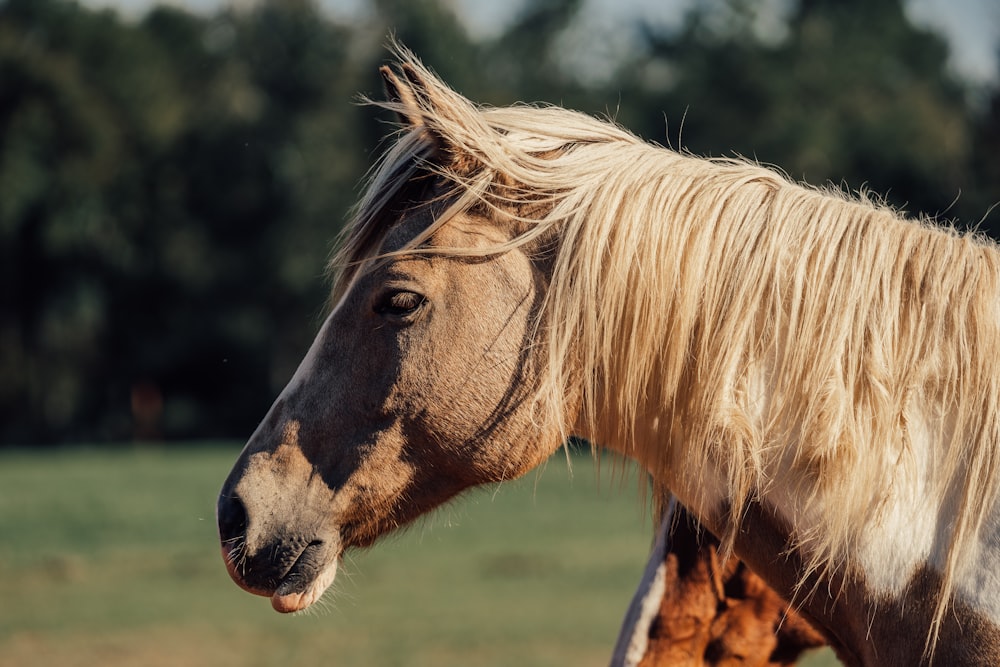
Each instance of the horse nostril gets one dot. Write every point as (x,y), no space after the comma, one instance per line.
(232,518)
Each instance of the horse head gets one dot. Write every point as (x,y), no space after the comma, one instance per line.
(418,384)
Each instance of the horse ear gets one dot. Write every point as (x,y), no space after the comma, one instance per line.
(412,93)
(401,97)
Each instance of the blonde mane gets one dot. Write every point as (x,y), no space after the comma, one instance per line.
(715,307)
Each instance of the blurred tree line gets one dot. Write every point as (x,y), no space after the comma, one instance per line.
(170,185)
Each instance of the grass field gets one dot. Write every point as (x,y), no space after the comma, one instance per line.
(109,557)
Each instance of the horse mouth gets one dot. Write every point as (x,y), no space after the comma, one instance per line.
(293,587)
(306,580)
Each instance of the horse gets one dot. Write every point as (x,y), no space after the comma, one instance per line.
(695,608)
(813,375)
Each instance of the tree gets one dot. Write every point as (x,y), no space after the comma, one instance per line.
(985,198)
(60,147)
(853,93)
(169,188)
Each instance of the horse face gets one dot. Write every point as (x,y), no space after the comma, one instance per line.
(416,387)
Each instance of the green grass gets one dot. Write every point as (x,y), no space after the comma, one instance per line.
(109,557)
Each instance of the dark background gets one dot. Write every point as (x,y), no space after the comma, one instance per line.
(170,184)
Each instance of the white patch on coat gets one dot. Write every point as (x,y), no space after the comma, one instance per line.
(633,638)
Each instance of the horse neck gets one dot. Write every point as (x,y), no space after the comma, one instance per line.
(723,458)
(875,608)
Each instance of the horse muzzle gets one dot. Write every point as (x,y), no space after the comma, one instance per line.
(291,567)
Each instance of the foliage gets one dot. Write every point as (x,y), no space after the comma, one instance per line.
(854,95)
(169,187)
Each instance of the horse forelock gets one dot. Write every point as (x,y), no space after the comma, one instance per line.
(715,307)
(369,223)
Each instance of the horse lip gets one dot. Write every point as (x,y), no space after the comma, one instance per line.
(299,585)
(302,571)
(306,579)
(235,565)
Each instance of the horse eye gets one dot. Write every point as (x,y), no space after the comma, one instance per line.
(399,304)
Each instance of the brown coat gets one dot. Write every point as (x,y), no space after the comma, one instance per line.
(710,612)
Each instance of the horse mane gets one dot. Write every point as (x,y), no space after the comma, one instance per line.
(714,306)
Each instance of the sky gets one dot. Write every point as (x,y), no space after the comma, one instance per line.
(971,26)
